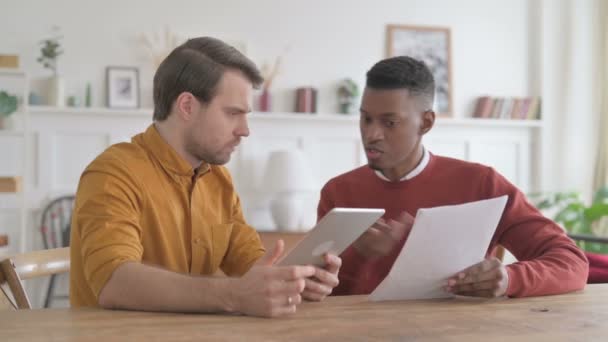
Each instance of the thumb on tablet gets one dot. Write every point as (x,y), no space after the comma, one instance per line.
(271,257)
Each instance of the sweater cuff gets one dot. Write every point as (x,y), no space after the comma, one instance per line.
(514,286)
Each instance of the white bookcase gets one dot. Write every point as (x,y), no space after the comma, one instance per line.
(14,162)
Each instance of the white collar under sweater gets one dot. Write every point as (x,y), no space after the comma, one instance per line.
(426,156)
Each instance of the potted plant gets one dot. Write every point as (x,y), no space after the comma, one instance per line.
(348,91)
(581,221)
(49,52)
(8,105)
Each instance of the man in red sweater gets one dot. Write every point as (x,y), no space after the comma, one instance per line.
(402,176)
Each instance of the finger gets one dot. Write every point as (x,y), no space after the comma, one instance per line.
(288,288)
(284,305)
(326,278)
(398,229)
(480,267)
(312,296)
(294,272)
(287,301)
(279,310)
(270,258)
(470,278)
(406,218)
(332,263)
(382,227)
(370,233)
(480,293)
(472,287)
(317,287)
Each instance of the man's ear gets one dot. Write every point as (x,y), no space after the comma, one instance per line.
(185,105)
(428,121)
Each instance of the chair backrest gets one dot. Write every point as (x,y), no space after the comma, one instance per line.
(55,222)
(30,265)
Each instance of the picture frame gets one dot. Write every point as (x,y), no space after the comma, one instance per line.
(431,45)
(122,87)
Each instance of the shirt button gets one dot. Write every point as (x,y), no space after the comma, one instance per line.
(197,240)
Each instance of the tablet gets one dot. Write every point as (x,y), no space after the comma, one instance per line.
(332,234)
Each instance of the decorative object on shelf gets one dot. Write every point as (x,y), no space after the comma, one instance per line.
(431,45)
(8,105)
(4,247)
(306,100)
(9,61)
(73,101)
(577,217)
(122,87)
(10,184)
(269,74)
(527,108)
(49,53)
(264,101)
(87,97)
(348,91)
(287,177)
(34,99)
(158,45)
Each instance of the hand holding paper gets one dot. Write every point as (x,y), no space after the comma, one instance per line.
(488,278)
(443,241)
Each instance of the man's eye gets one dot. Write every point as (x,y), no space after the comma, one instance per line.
(389,123)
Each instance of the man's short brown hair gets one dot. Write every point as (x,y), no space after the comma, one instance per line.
(197,67)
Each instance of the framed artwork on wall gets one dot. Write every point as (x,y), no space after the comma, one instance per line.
(122,87)
(431,45)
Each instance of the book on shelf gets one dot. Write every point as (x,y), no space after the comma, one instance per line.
(509,108)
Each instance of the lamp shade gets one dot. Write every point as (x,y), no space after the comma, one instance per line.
(288,170)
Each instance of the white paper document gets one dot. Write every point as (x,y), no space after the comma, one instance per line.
(443,241)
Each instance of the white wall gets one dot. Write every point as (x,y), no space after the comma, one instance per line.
(499,47)
(569,60)
(329,40)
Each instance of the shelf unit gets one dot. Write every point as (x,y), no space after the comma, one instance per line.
(16,183)
(95,111)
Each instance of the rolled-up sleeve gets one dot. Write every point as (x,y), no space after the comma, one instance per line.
(107,215)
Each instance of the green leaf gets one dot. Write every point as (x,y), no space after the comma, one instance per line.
(601,195)
(8,103)
(596,211)
(562,196)
(545,204)
(573,211)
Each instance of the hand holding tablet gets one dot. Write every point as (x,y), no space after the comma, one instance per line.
(332,234)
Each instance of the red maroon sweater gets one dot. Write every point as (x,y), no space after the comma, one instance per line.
(549,262)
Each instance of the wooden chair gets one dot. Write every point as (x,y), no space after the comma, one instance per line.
(26,266)
(55,228)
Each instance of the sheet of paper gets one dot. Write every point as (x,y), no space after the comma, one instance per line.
(443,241)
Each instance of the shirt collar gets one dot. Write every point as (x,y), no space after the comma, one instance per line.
(426,156)
(169,159)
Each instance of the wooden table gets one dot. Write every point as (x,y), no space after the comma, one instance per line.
(579,316)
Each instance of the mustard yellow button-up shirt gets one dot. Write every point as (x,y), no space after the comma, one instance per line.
(142,202)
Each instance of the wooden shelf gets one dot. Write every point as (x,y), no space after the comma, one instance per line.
(10,184)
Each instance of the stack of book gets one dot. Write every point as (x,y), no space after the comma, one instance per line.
(526,108)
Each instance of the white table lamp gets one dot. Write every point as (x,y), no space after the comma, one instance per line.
(290,182)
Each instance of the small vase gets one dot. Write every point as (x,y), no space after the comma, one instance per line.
(56,95)
(265,101)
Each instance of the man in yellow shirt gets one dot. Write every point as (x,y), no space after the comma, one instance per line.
(155,218)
